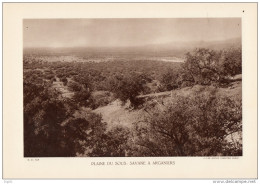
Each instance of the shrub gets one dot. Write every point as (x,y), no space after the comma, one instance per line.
(127,87)
(64,80)
(74,86)
(169,80)
(113,143)
(197,125)
(231,62)
(205,67)
(82,97)
(54,128)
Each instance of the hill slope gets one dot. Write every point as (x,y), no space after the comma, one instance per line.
(116,114)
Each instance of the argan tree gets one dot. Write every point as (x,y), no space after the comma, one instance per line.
(127,87)
(196,125)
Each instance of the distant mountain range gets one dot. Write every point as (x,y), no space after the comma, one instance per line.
(177,49)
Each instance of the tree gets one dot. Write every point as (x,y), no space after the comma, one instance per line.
(201,66)
(43,114)
(82,94)
(64,80)
(82,97)
(231,62)
(197,125)
(113,143)
(54,128)
(81,133)
(205,67)
(127,87)
(84,80)
(169,80)
(74,86)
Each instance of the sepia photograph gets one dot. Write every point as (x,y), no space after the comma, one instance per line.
(132,87)
(130,91)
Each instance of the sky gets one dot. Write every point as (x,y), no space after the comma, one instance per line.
(126,32)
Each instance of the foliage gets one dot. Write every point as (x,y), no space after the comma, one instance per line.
(114,143)
(74,86)
(96,76)
(101,98)
(201,124)
(205,67)
(169,80)
(202,66)
(82,94)
(82,132)
(191,126)
(64,80)
(127,87)
(231,62)
(43,114)
(51,129)
(82,97)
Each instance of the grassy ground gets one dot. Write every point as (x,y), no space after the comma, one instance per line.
(117,114)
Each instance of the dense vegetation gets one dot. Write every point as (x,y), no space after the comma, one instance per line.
(199,124)
(194,125)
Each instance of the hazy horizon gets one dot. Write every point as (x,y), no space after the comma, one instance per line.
(133,46)
(58,33)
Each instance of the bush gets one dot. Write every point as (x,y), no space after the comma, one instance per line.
(49,76)
(81,134)
(127,87)
(54,128)
(74,86)
(206,67)
(43,114)
(201,66)
(231,62)
(101,98)
(197,125)
(114,143)
(64,80)
(82,97)
(169,81)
